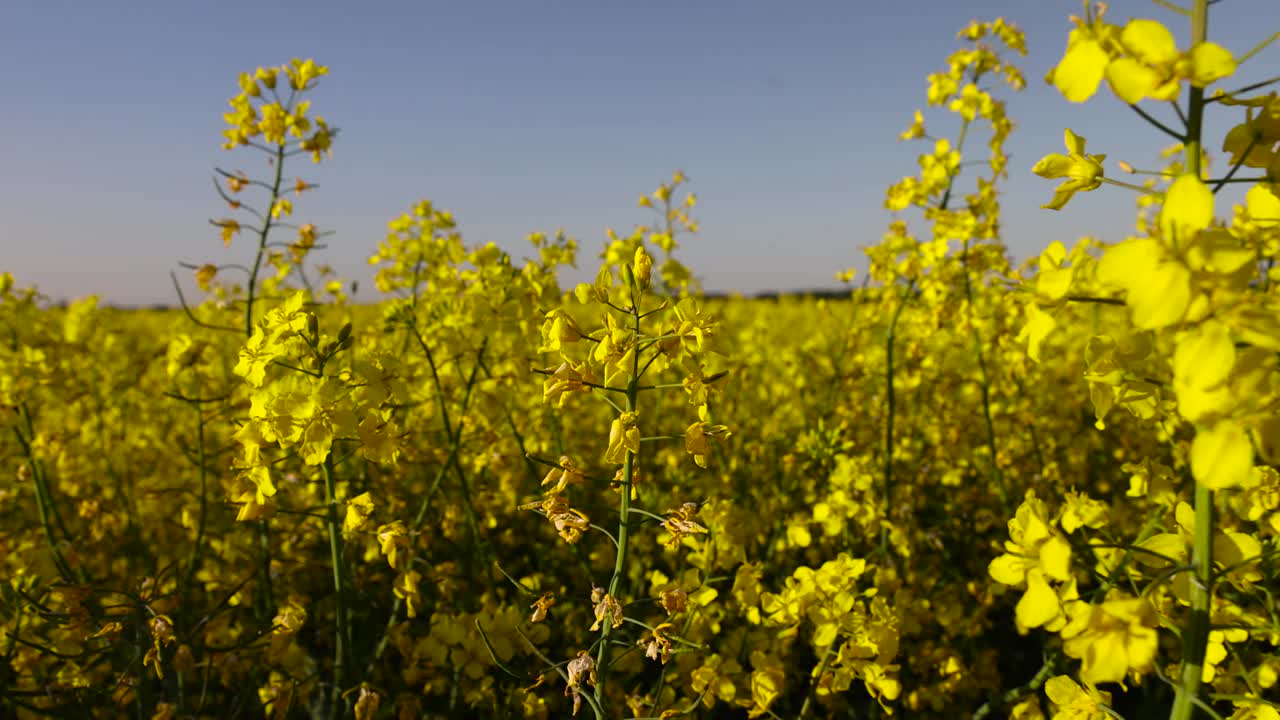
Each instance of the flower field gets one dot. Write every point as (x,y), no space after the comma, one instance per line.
(962,488)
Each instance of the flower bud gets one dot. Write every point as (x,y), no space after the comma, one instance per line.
(642,267)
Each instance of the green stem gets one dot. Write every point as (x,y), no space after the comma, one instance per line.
(44,500)
(624,524)
(1195,636)
(1235,167)
(1033,685)
(890,411)
(1245,89)
(469,509)
(194,562)
(1156,123)
(265,601)
(814,680)
(1126,185)
(252,287)
(43,477)
(451,463)
(342,635)
(997,474)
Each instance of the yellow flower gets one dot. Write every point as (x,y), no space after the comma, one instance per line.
(1111,638)
(359,509)
(205,274)
(1153,67)
(302,72)
(1222,455)
(642,268)
(1083,172)
(393,539)
(229,228)
(406,588)
(624,437)
(680,524)
(563,475)
(1072,702)
(697,439)
(916,130)
(1081,69)
(367,703)
(1188,209)
(582,672)
(1033,543)
(1140,61)
(606,609)
(282,206)
(541,605)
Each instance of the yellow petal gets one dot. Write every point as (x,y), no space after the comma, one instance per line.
(1061,195)
(1053,255)
(1130,80)
(1055,557)
(1053,283)
(1218,251)
(1170,545)
(1234,548)
(1063,691)
(1074,143)
(1129,258)
(1263,203)
(1039,604)
(1222,456)
(1204,356)
(1052,166)
(1106,659)
(1160,297)
(1008,569)
(1188,209)
(1039,325)
(1150,41)
(1081,69)
(1210,62)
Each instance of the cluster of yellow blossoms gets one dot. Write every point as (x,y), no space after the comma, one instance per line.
(965,489)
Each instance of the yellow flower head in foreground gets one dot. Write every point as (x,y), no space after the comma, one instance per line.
(1140,61)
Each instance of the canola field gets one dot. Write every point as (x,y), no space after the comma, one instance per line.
(962,489)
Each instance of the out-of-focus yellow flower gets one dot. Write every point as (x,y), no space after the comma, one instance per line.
(916,130)
(359,511)
(1072,702)
(204,275)
(1139,61)
(229,228)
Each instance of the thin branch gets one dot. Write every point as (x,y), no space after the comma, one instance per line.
(1156,123)
(187,309)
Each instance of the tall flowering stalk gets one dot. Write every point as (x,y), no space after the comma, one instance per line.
(642,333)
(1188,352)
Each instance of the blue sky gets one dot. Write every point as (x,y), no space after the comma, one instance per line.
(523,116)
